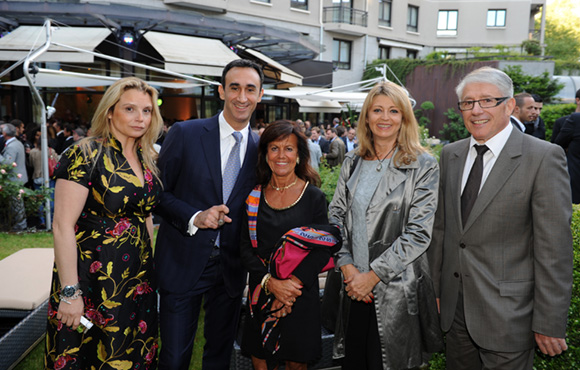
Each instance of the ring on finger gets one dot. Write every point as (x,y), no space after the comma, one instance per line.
(220,222)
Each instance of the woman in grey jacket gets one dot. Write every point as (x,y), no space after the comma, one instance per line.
(385,202)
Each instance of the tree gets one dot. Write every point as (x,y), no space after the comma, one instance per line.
(542,85)
(562,37)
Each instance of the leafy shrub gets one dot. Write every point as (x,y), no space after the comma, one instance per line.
(329,178)
(551,112)
(455,129)
(532,47)
(11,189)
(420,113)
(542,85)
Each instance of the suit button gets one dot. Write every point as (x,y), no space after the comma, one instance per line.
(456,274)
(462,245)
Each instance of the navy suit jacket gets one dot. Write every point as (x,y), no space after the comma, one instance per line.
(190,167)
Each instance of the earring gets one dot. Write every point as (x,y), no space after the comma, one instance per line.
(298,160)
(266,159)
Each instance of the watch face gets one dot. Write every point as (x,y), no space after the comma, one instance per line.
(68,291)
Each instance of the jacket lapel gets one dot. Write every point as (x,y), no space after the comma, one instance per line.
(210,142)
(505,165)
(455,169)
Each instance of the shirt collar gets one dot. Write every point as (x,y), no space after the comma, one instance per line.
(227,130)
(497,142)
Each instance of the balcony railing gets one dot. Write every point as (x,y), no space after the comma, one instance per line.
(535,34)
(343,14)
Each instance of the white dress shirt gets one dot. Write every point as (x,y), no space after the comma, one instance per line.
(495,145)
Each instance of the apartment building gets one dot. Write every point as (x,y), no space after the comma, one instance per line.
(301,42)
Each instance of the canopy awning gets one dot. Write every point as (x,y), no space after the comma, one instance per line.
(313,93)
(398,44)
(192,55)
(64,79)
(320,106)
(18,43)
(276,70)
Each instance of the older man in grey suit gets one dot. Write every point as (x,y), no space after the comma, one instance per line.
(13,152)
(501,252)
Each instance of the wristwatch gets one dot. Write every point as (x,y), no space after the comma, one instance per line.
(69,290)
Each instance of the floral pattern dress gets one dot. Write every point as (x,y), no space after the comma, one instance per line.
(115,266)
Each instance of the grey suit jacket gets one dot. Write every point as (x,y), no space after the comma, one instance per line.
(514,255)
(335,156)
(14,153)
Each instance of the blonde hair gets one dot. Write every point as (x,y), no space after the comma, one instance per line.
(101,125)
(408,138)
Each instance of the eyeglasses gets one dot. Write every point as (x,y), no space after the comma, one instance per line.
(483,103)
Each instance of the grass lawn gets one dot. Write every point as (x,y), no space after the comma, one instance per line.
(10,243)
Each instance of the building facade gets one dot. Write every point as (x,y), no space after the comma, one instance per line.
(329,41)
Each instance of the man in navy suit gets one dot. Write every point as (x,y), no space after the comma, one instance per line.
(197,255)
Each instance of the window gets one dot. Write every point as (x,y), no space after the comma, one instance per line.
(341,54)
(299,4)
(447,23)
(347,3)
(411,54)
(262,1)
(496,18)
(384,52)
(413,18)
(385,13)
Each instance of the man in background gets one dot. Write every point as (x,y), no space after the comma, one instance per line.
(13,152)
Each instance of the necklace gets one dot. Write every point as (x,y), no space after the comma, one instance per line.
(380,165)
(284,187)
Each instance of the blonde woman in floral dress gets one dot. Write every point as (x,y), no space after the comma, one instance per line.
(106,189)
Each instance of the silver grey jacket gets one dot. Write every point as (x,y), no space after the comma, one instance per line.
(399,223)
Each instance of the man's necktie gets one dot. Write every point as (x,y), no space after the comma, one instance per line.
(229,178)
(473,184)
(232,167)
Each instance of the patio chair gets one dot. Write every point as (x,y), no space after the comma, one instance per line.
(24,289)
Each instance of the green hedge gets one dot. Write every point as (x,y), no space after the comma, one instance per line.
(571,358)
(551,112)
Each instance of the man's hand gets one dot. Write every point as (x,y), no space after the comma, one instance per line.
(550,345)
(213,217)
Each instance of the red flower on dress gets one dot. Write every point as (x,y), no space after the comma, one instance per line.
(60,363)
(95,266)
(150,356)
(142,289)
(142,326)
(149,178)
(120,227)
(96,317)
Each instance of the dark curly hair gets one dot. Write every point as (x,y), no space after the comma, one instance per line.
(280,130)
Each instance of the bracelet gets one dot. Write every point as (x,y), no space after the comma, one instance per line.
(77,294)
(264,283)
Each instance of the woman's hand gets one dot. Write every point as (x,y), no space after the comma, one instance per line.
(359,286)
(285,291)
(70,314)
(284,310)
